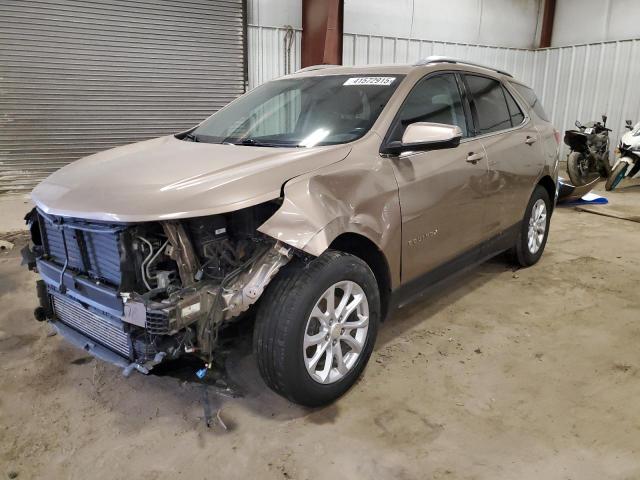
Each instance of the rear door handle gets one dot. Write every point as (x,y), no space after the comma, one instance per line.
(530,140)
(474,157)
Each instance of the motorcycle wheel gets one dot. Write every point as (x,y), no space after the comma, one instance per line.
(578,169)
(616,176)
(604,167)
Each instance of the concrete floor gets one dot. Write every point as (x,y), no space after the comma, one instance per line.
(533,374)
(12,211)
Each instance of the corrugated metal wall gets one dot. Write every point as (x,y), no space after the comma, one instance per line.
(578,82)
(508,23)
(371,49)
(268,53)
(583,82)
(80,76)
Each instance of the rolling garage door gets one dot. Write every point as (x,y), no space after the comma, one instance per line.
(77,77)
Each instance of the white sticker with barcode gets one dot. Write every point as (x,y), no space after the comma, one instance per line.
(369,81)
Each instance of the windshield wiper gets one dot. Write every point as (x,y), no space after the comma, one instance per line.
(192,137)
(252,142)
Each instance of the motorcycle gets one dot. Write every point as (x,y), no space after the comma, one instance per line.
(589,154)
(628,152)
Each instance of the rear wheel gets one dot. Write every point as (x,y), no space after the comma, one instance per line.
(578,169)
(616,176)
(316,327)
(604,167)
(534,229)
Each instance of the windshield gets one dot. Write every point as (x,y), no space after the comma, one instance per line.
(301,112)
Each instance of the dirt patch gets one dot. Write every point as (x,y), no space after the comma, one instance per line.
(20,237)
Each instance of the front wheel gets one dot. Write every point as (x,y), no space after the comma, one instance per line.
(316,326)
(534,229)
(616,176)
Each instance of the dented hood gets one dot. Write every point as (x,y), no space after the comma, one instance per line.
(166,178)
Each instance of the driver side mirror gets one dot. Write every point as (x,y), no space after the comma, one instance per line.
(629,124)
(604,119)
(423,136)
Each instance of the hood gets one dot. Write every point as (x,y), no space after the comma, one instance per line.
(166,178)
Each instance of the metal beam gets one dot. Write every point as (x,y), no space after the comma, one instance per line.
(548,16)
(322,26)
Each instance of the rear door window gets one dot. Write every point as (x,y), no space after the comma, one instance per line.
(487,97)
(531,98)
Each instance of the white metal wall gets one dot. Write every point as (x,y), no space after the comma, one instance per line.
(583,82)
(267,53)
(590,21)
(509,23)
(372,49)
(577,82)
(275,13)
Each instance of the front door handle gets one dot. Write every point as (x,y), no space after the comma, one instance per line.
(474,157)
(530,140)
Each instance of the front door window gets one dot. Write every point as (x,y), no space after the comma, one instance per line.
(434,99)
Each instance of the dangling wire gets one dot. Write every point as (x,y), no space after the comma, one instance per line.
(289,36)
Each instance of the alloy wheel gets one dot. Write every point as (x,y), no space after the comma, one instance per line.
(336,332)
(537,226)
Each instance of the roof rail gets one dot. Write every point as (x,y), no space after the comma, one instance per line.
(440,59)
(315,67)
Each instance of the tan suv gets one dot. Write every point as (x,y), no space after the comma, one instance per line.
(319,200)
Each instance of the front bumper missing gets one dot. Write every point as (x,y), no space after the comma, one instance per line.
(88,313)
(88,345)
(83,342)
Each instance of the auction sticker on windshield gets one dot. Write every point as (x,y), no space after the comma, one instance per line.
(370,81)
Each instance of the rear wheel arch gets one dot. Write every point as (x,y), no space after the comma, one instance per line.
(550,186)
(366,250)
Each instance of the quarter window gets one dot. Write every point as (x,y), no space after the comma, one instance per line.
(517,117)
(490,104)
(434,99)
(531,98)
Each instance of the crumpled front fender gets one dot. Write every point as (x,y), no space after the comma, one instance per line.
(357,195)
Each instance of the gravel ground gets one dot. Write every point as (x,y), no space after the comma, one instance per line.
(532,374)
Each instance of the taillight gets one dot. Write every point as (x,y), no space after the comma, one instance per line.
(556,134)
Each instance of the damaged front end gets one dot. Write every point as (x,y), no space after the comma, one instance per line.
(138,294)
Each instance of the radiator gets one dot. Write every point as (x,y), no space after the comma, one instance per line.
(94,251)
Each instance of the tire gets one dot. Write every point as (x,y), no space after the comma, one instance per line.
(577,175)
(522,252)
(284,321)
(616,176)
(604,167)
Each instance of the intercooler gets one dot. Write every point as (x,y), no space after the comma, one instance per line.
(101,328)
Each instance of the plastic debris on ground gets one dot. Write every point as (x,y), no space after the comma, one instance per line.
(588,199)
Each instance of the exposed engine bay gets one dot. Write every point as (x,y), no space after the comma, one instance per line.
(138,294)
